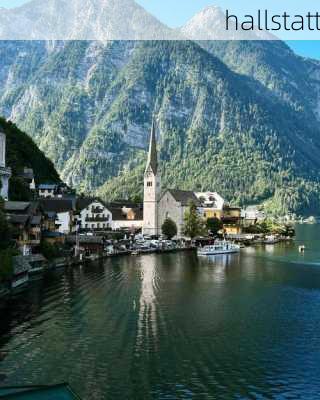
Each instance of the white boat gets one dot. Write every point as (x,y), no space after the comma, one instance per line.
(271,239)
(222,247)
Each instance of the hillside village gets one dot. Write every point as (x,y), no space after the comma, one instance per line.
(59,222)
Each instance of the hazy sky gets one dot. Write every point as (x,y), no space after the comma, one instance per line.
(171,13)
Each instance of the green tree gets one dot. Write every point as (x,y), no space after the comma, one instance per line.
(169,228)
(214,225)
(193,223)
(49,251)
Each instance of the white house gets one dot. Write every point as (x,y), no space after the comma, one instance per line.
(210,200)
(47,190)
(93,214)
(5,173)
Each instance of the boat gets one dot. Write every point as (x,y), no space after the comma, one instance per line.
(271,239)
(47,392)
(221,247)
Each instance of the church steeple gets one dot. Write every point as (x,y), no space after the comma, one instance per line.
(152,162)
(152,188)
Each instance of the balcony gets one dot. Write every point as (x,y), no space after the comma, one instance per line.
(97,210)
(97,219)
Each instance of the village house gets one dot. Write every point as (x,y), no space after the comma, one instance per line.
(252,215)
(47,190)
(212,204)
(63,212)
(232,220)
(86,244)
(28,176)
(126,217)
(93,214)
(26,218)
(5,172)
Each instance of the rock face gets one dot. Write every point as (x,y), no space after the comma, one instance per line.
(241,118)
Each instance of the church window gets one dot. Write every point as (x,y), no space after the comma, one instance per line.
(149,184)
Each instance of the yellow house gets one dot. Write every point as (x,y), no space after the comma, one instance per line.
(230,216)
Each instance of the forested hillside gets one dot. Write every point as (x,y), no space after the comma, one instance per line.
(22,152)
(248,130)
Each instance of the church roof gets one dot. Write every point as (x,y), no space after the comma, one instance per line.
(184,196)
(153,156)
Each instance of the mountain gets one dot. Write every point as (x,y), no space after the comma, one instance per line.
(79,20)
(239,117)
(294,79)
(23,152)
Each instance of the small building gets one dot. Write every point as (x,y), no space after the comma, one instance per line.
(47,190)
(5,172)
(64,212)
(28,176)
(127,218)
(232,220)
(87,244)
(253,214)
(211,202)
(173,204)
(93,214)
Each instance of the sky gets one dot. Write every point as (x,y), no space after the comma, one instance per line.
(171,13)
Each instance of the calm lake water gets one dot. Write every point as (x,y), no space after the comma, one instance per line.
(174,326)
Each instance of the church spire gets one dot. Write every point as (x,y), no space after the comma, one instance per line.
(153,156)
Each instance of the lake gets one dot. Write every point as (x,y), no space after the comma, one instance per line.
(174,326)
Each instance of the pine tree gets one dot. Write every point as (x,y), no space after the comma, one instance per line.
(193,223)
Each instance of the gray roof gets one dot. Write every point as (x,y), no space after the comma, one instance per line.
(57,205)
(18,218)
(36,220)
(84,202)
(185,197)
(152,162)
(47,186)
(16,205)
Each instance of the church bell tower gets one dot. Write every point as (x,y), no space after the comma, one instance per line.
(152,189)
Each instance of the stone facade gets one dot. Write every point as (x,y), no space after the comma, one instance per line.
(173,204)
(170,208)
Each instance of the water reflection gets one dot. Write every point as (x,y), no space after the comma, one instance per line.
(173,326)
(147,315)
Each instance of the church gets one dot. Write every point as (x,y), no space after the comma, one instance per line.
(5,173)
(158,206)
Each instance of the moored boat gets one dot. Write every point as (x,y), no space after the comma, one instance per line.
(221,247)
